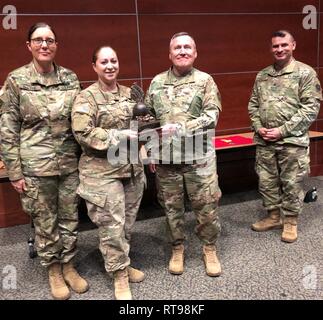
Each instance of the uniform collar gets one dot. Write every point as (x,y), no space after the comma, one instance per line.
(36,78)
(172,79)
(288,69)
(109,96)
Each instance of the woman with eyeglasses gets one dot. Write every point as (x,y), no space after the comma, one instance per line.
(41,155)
(111,185)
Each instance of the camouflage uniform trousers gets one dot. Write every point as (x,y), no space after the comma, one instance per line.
(116,219)
(281,170)
(52,204)
(201,183)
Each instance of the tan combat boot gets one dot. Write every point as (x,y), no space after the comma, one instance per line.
(73,279)
(58,287)
(135,275)
(273,221)
(212,263)
(176,263)
(290,229)
(121,285)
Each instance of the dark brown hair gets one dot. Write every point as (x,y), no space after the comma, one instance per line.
(96,51)
(34,27)
(282,34)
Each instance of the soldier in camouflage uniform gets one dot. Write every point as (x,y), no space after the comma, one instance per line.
(112,189)
(284,103)
(40,154)
(186,100)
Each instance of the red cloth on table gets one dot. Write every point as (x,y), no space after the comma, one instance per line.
(231,141)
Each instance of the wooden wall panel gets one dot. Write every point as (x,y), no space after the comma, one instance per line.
(235,90)
(229,6)
(321,42)
(224,43)
(85,7)
(74,47)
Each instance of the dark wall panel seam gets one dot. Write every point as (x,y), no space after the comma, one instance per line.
(138,43)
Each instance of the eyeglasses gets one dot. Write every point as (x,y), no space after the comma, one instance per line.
(39,41)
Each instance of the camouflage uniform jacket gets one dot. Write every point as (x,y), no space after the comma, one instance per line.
(36,135)
(98,119)
(288,99)
(192,101)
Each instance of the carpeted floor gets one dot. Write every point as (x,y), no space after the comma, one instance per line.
(255,265)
